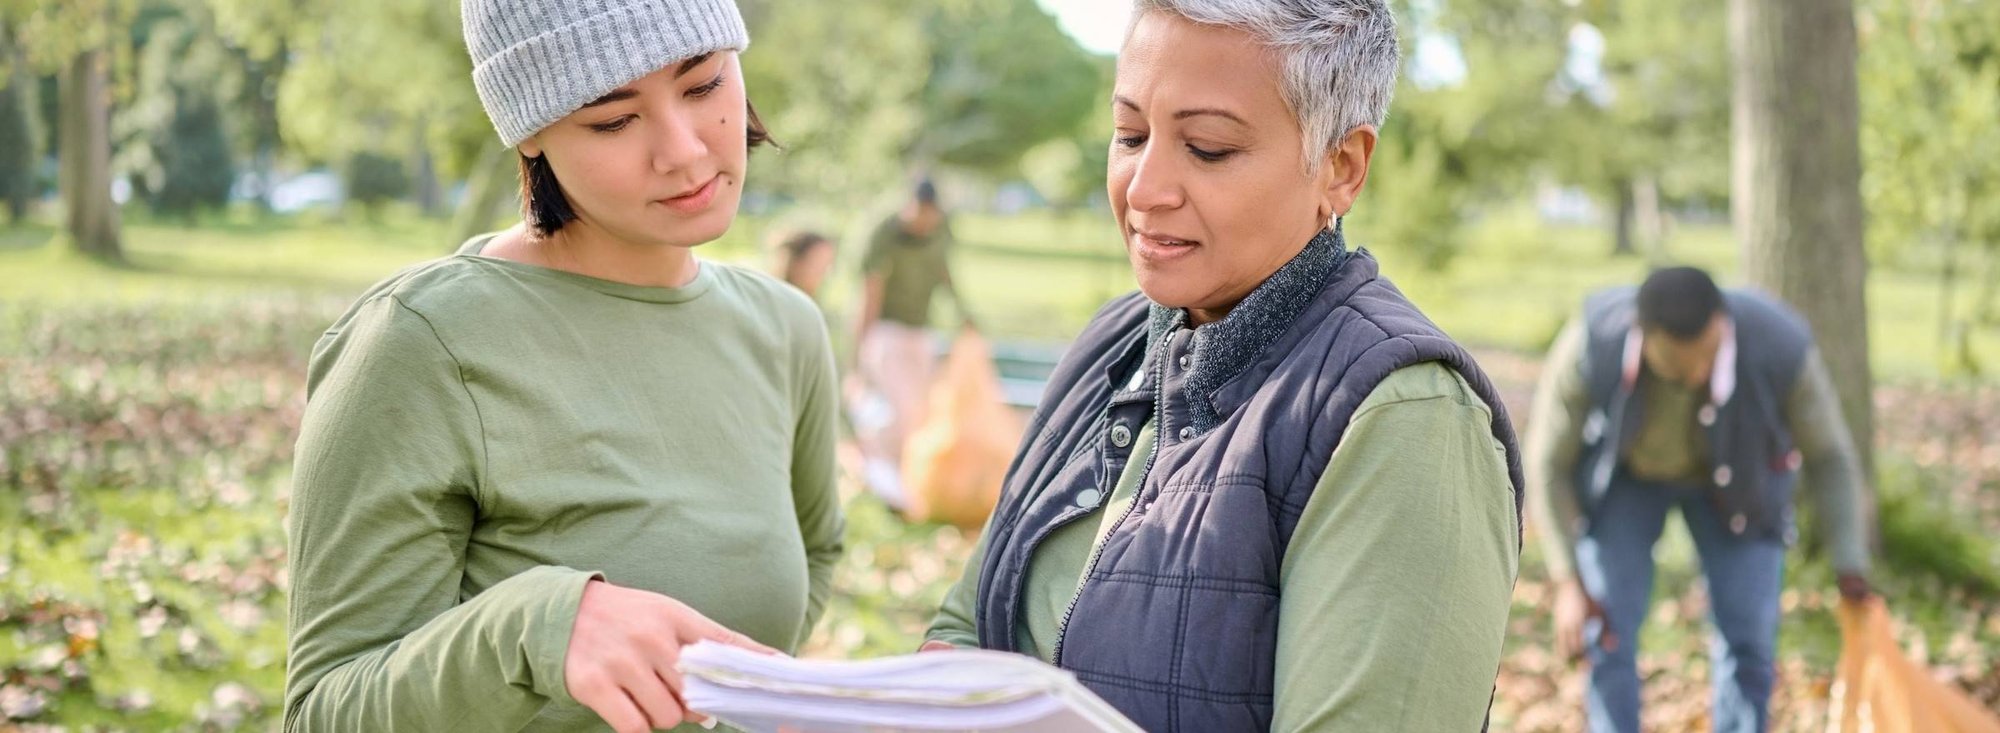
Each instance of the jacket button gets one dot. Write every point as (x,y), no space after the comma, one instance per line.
(1138,380)
(1088,498)
(1121,436)
(1706,415)
(1187,433)
(1186,361)
(1738,523)
(1722,476)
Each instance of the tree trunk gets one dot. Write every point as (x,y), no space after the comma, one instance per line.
(89,214)
(490,191)
(17,100)
(424,184)
(1621,223)
(264,170)
(18,157)
(264,135)
(1985,313)
(1648,221)
(1796,184)
(1947,289)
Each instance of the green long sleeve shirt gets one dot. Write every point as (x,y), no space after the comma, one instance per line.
(1394,591)
(1670,447)
(482,437)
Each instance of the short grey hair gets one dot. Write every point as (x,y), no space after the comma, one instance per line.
(1337,58)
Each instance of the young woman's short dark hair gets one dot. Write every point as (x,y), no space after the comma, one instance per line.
(543,206)
(1680,301)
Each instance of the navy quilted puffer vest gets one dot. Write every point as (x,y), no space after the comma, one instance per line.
(1176,620)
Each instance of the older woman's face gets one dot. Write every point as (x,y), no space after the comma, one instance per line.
(1206,176)
(659,160)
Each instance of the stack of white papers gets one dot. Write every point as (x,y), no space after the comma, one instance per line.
(958,690)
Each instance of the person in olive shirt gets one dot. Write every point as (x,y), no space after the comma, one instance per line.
(1681,395)
(907,263)
(530,473)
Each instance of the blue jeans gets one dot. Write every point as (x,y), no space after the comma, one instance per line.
(1615,562)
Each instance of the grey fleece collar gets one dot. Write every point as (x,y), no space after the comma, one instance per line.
(1225,348)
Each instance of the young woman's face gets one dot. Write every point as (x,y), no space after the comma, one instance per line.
(657,161)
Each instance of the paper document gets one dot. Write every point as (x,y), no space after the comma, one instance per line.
(958,690)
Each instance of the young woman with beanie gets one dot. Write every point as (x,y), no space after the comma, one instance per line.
(531,472)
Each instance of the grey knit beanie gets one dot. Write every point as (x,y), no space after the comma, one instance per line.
(536,61)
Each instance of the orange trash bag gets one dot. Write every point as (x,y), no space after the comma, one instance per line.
(955,461)
(1877,689)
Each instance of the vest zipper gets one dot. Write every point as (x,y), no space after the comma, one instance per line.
(1159,411)
(1035,539)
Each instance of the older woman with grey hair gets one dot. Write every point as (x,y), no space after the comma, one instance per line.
(1264,492)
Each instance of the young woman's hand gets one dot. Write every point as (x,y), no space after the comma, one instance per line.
(624,651)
